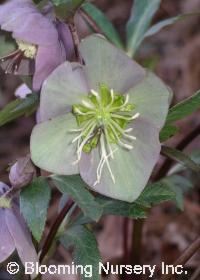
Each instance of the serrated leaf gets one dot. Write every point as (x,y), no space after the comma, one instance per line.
(76,188)
(167,132)
(103,23)
(121,208)
(180,157)
(167,22)
(18,108)
(140,19)
(86,250)
(34,202)
(184,108)
(179,185)
(154,194)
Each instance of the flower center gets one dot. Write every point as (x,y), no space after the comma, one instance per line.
(29,50)
(103,118)
(5,202)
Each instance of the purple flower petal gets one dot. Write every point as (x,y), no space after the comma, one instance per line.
(22,91)
(47,59)
(7,245)
(66,38)
(13,19)
(21,236)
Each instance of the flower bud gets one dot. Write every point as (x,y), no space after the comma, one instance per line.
(22,172)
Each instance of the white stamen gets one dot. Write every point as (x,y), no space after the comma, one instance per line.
(88,105)
(124,145)
(85,128)
(103,160)
(96,94)
(82,113)
(112,99)
(135,116)
(80,148)
(131,137)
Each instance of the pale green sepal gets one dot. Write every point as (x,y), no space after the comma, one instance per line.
(152,99)
(131,168)
(109,65)
(63,88)
(51,145)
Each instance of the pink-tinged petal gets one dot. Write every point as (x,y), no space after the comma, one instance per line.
(66,38)
(22,91)
(108,65)
(131,168)
(47,59)
(7,245)
(21,236)
(10,5)
(66,86)
(43,31)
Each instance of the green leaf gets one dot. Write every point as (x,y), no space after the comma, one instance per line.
(154,194)
(184,108)
(18,108)
(140,19)
(70,3)
(167,22)
(34,202)
(77,189)
(179,185)
(117,207)
(180,157)
(66,9)
(103,23)
(86,250)
(167,132)
(7,45)
(164,23)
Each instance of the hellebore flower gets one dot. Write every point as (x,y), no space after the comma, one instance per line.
(14,233)
(42,42)
(101,120)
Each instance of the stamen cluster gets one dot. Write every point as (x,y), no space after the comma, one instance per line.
(103,119)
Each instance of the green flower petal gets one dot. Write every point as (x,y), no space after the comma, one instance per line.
(151,98)
(108,65)
(63,88)
(131,169)
(51,145)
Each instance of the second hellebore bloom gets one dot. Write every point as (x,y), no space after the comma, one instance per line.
(13,230)
(42,42)
(101,120)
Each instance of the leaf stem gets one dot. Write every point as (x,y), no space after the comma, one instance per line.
(162,172)
(187,254)
(90,21)
(76,40)
(52,233)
